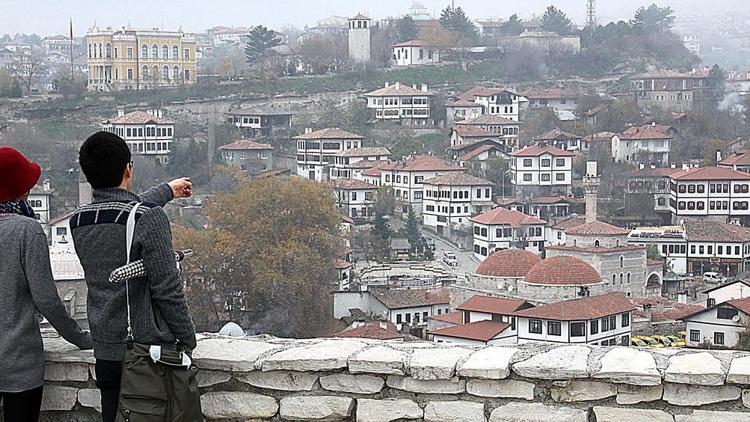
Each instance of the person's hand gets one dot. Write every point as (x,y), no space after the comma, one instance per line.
(182,187)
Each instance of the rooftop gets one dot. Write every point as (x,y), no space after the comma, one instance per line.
(471,131)
(715,231)
(414,43)
(710,173)
(581,309)
(329,133)
(455,317)
(556,133)
(482,148)
(457,179)
(364,152)
(493,305)
(536,151)
(138,118)
(569,222)
(487,120)
(398,90)
(597,228)
(462,103)
(646,132)
(513,263)
(352,184)
(502,216)
(246,144)
(562,270)
(479,331)
(410,298)
(375,330)
(422,163)
(551,93)
(741,158)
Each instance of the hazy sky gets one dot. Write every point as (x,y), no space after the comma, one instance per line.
(51,16)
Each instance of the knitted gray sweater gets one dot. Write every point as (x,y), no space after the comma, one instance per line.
(159,312)
(26,285)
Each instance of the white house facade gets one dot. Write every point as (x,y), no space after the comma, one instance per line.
(316,151)
(146,133)
(501,228)
(401,103)
(710,192)
(450,200)
(415,53)
(548,169)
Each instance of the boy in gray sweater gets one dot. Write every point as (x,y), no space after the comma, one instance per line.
(159,312)
(26,285)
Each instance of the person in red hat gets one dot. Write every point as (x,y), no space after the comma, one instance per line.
(26,285)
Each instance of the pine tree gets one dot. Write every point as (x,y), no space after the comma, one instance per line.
(380,237)
(259,43)
(555,20)
(406,29)
(416,241)
(455,20)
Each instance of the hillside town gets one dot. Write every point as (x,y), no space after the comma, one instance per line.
(425,177)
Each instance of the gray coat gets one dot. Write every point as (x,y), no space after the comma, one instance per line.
(159,312)
(26,285)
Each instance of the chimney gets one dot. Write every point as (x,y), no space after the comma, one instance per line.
(383,325)
(414,86)
(682,297)
(387,84)
(120,111)
(424,87)
(653,124)
(718,156)
(398,85)
(308,130)
(641,166)
(46,185)
(673,165)
(685,166)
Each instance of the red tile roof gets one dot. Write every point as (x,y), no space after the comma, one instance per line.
(568,223)
(473,153)
(552,93)
(536,151)
(487,120)
(710,173)
(366,164)
(483,91)
(414,43)
(246,144)
(508,263)
(479,331)
(398,90)
(597,228)
(581,309)
(594,111)
(463,103)
(455,317)
(647,132)
(741,304)
(469,95)
(562,270)
(493,305)
(474,132)
(375,170)
(329,133)
(422,163)
(556,133)
(595,250)
(342,264)
(352,184)
(599,136)
(364,152)
(502,216)
(715,231)
(737,159)
(372,330)
(457,179)
(138,118)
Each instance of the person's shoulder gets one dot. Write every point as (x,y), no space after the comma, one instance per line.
(26,225)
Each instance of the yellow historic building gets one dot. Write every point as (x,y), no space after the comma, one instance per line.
(139,59)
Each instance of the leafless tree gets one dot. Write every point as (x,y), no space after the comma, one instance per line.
(26,67)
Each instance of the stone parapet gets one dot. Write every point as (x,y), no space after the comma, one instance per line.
(264,378)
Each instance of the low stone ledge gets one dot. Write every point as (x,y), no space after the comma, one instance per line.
(387,410)
(537,412)
(208,378)
(619,414)
(327,355)
(231,354)
(560,363)
(90,397)
(697,395)
(713,416)
(311,408)
(514,389)
(454,411)
(232,404)
(437,363)
(632,394)
(280,380)
(357,384)
(58,371)
(379,360)
(582,390)
(700,368)
(58,397)
(629,366)
(454,386)
(739,371)
(488,363)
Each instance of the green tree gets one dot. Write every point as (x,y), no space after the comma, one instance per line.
(618,116)
(455,20)
(513,27)
(380,237)
(413,235)
(259,44)
(653,19)
(9,86)
(266,258)
(402,142)
(716,83)
(406,29)
(555,20)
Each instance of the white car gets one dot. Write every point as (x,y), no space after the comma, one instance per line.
(450,259)
(713,278)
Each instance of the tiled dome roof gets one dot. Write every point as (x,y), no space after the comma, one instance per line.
(562,270)
(508,263)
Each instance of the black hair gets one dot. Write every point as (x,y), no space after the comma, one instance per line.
(103,158)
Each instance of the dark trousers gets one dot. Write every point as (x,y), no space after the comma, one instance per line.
(108,376)
(23,406)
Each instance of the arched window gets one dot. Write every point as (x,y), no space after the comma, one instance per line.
(622,261)
(155,51)
(144,51)
(100,51)
(628,278)
(613,279)
(176,73)
(155,73)
(175,52)
(596,243)
(108,50)
(621,278)
(144,72)
(165,51)
(90,51)
(165,73)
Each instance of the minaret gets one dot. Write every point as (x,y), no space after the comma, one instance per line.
(591,188)
(359,39)
(590,12)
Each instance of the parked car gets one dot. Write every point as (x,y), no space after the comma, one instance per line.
(651,342)
(450,259)
(430,243)
(636,342)
(666,341)
(713,278)
(676,341)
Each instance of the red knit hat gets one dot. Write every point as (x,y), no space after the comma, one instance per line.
(17,174)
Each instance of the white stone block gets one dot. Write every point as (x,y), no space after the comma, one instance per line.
(58,397)
(623,414)
(348,383)
(697,395)
(236,404)
(54,371)
(379,360)
(280,380)
(208,378)
(326,355)
(501,388)
(488,363)
(634,394)
(583,390)
(90,397)
(695,369)
(453,386)
(537,412)
(437,363)
(713,416)
(559,363)
(454,411)
(387,410)
(227,354)
(629,366)
(309,408)
(739,371)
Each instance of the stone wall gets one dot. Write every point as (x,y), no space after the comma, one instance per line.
(364,380)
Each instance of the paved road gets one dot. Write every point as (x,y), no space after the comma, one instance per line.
(466,261)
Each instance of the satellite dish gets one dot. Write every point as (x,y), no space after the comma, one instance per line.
(736,318)
(500,286)
(510,287)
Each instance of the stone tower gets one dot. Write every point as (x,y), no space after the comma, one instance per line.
(591,188)
(359,39)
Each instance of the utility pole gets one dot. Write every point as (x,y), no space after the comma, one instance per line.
(71,49)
